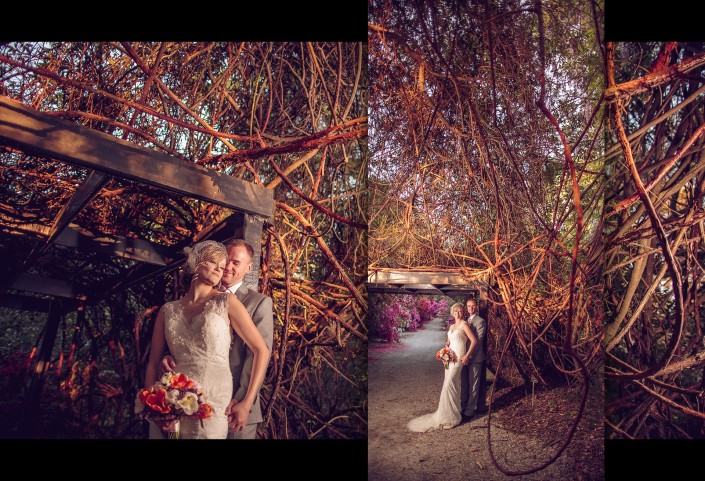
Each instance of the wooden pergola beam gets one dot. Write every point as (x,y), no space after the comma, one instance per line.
(421,289)
(83,194)
(416,277)
(47,286)
(383,289)
(24,303)
(119,246)
(39,134)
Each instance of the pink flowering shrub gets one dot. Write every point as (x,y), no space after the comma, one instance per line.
(439,307)
(423,306)
(430,307)
(412,319)
(383,317)
(389,314)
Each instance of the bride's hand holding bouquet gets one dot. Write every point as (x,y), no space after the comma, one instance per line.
(173,397)
(446,356)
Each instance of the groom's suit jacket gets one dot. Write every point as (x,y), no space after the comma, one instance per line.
(478,326)
(259,307)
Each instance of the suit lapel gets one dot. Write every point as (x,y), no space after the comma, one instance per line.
(241,292)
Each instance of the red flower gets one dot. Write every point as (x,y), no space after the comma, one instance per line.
(181,382)
(204,411)
(144,393)
(157,402)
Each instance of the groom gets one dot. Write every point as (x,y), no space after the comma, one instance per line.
(259,306)
(471,374)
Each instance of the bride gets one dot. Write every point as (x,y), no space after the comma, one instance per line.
(448,413)
(197,331)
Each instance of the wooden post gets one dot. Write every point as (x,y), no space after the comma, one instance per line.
(29,427)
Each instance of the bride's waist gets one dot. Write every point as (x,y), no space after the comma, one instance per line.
(203,361)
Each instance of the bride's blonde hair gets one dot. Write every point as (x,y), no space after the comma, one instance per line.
(455,306)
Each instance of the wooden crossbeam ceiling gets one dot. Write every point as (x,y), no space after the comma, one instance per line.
(119,246)
(36,133)
(155,261)
(402,276)
(83,194)
(43,135)
(393,288)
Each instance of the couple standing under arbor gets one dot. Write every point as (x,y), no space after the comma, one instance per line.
(463,377)
(218,334)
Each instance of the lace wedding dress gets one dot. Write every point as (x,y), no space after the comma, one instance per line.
(448,413)
(201,349)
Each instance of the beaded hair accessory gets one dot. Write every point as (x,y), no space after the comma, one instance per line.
(206,251)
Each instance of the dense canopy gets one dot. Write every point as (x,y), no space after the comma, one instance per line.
(486,155)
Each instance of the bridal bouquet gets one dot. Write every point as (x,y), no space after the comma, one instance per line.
(446,356)
(171,398)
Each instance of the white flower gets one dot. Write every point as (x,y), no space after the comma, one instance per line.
(166,378)
(189,403)
(172,396)
(139,406)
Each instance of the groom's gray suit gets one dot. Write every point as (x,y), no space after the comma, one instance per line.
(259,307)
(471,373)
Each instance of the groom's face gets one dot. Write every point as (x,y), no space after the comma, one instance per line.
(472,307)
(239,264)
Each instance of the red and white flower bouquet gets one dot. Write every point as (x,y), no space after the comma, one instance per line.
(173,397)
(446,356)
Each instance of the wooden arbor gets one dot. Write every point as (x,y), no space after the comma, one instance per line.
(449,282)
(28,247)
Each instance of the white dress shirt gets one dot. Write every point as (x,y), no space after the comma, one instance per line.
(233,289)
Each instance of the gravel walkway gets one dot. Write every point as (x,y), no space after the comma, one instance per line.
(404,382)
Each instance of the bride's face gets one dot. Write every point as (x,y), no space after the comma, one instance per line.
(210,272)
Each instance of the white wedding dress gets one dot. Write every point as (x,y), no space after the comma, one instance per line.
(201,349)
(448,413)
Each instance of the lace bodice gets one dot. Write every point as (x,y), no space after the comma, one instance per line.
(458,339)
(206,336)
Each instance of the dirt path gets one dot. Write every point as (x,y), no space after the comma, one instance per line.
(404,382)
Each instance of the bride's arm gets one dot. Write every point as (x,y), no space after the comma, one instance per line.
(244,327)
(157,349)
(155,357)
(473,342)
